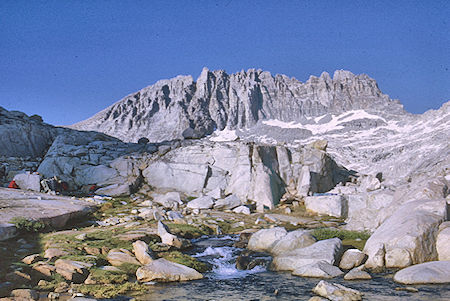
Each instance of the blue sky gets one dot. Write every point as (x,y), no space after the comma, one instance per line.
(67,60)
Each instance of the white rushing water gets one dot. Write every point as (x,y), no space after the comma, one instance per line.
(223,260)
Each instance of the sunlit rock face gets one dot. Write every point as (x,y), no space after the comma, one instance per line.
(183,108)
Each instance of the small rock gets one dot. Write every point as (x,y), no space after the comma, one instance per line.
(53,296)
(357,273)
(142,252)
(54,252)
(321,269)
(336,292)
(81,236)
(352,258)
(166,271)
(61,287)
(75,271)
(242,210)
(92,250)
(230,202)
(31,259)
(118,257)
(44,268)
(407,289)
(25,293)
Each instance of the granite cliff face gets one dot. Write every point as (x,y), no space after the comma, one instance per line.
(181,107)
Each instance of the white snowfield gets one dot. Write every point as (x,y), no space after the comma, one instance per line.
(321,128)
(398,147)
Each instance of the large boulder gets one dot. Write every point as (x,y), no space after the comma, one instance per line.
(329,204)
(165,271)
(328,250)
(425,273)
(205,202)
(293,240)
(443,241)
(230,202)
(264,240)
(22,136)
(28,181)
(407,237)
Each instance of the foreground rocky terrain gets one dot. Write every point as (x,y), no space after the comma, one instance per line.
(328,178)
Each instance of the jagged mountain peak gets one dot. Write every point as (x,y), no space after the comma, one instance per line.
(182,107)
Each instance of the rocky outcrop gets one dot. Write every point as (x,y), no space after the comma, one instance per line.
(83,159)
(248,171)
(55,211)
(181,107)
(408,236)
(24,136)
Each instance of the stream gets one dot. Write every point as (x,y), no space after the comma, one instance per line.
(225,282)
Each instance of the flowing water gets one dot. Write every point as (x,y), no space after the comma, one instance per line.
(225,282)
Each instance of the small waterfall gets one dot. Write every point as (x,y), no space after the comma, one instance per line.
(223,258)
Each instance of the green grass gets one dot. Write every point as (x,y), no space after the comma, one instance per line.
(178,257)
(349,238)
(326,233)
(108,277)
(110,290)
(129,268)
(189,231)
(27,225)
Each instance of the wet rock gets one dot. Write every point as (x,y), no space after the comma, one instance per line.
(248,260)
(328,250)
(75,271)
(425,273)
(205,202)
(118,257)
(53,296)
(336,292)
(27,294)
(320,269)
(357,273)
(293,240)
(166,271)
(265,239)
(142,252)
(407,289)
(18,277)
(352,258)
